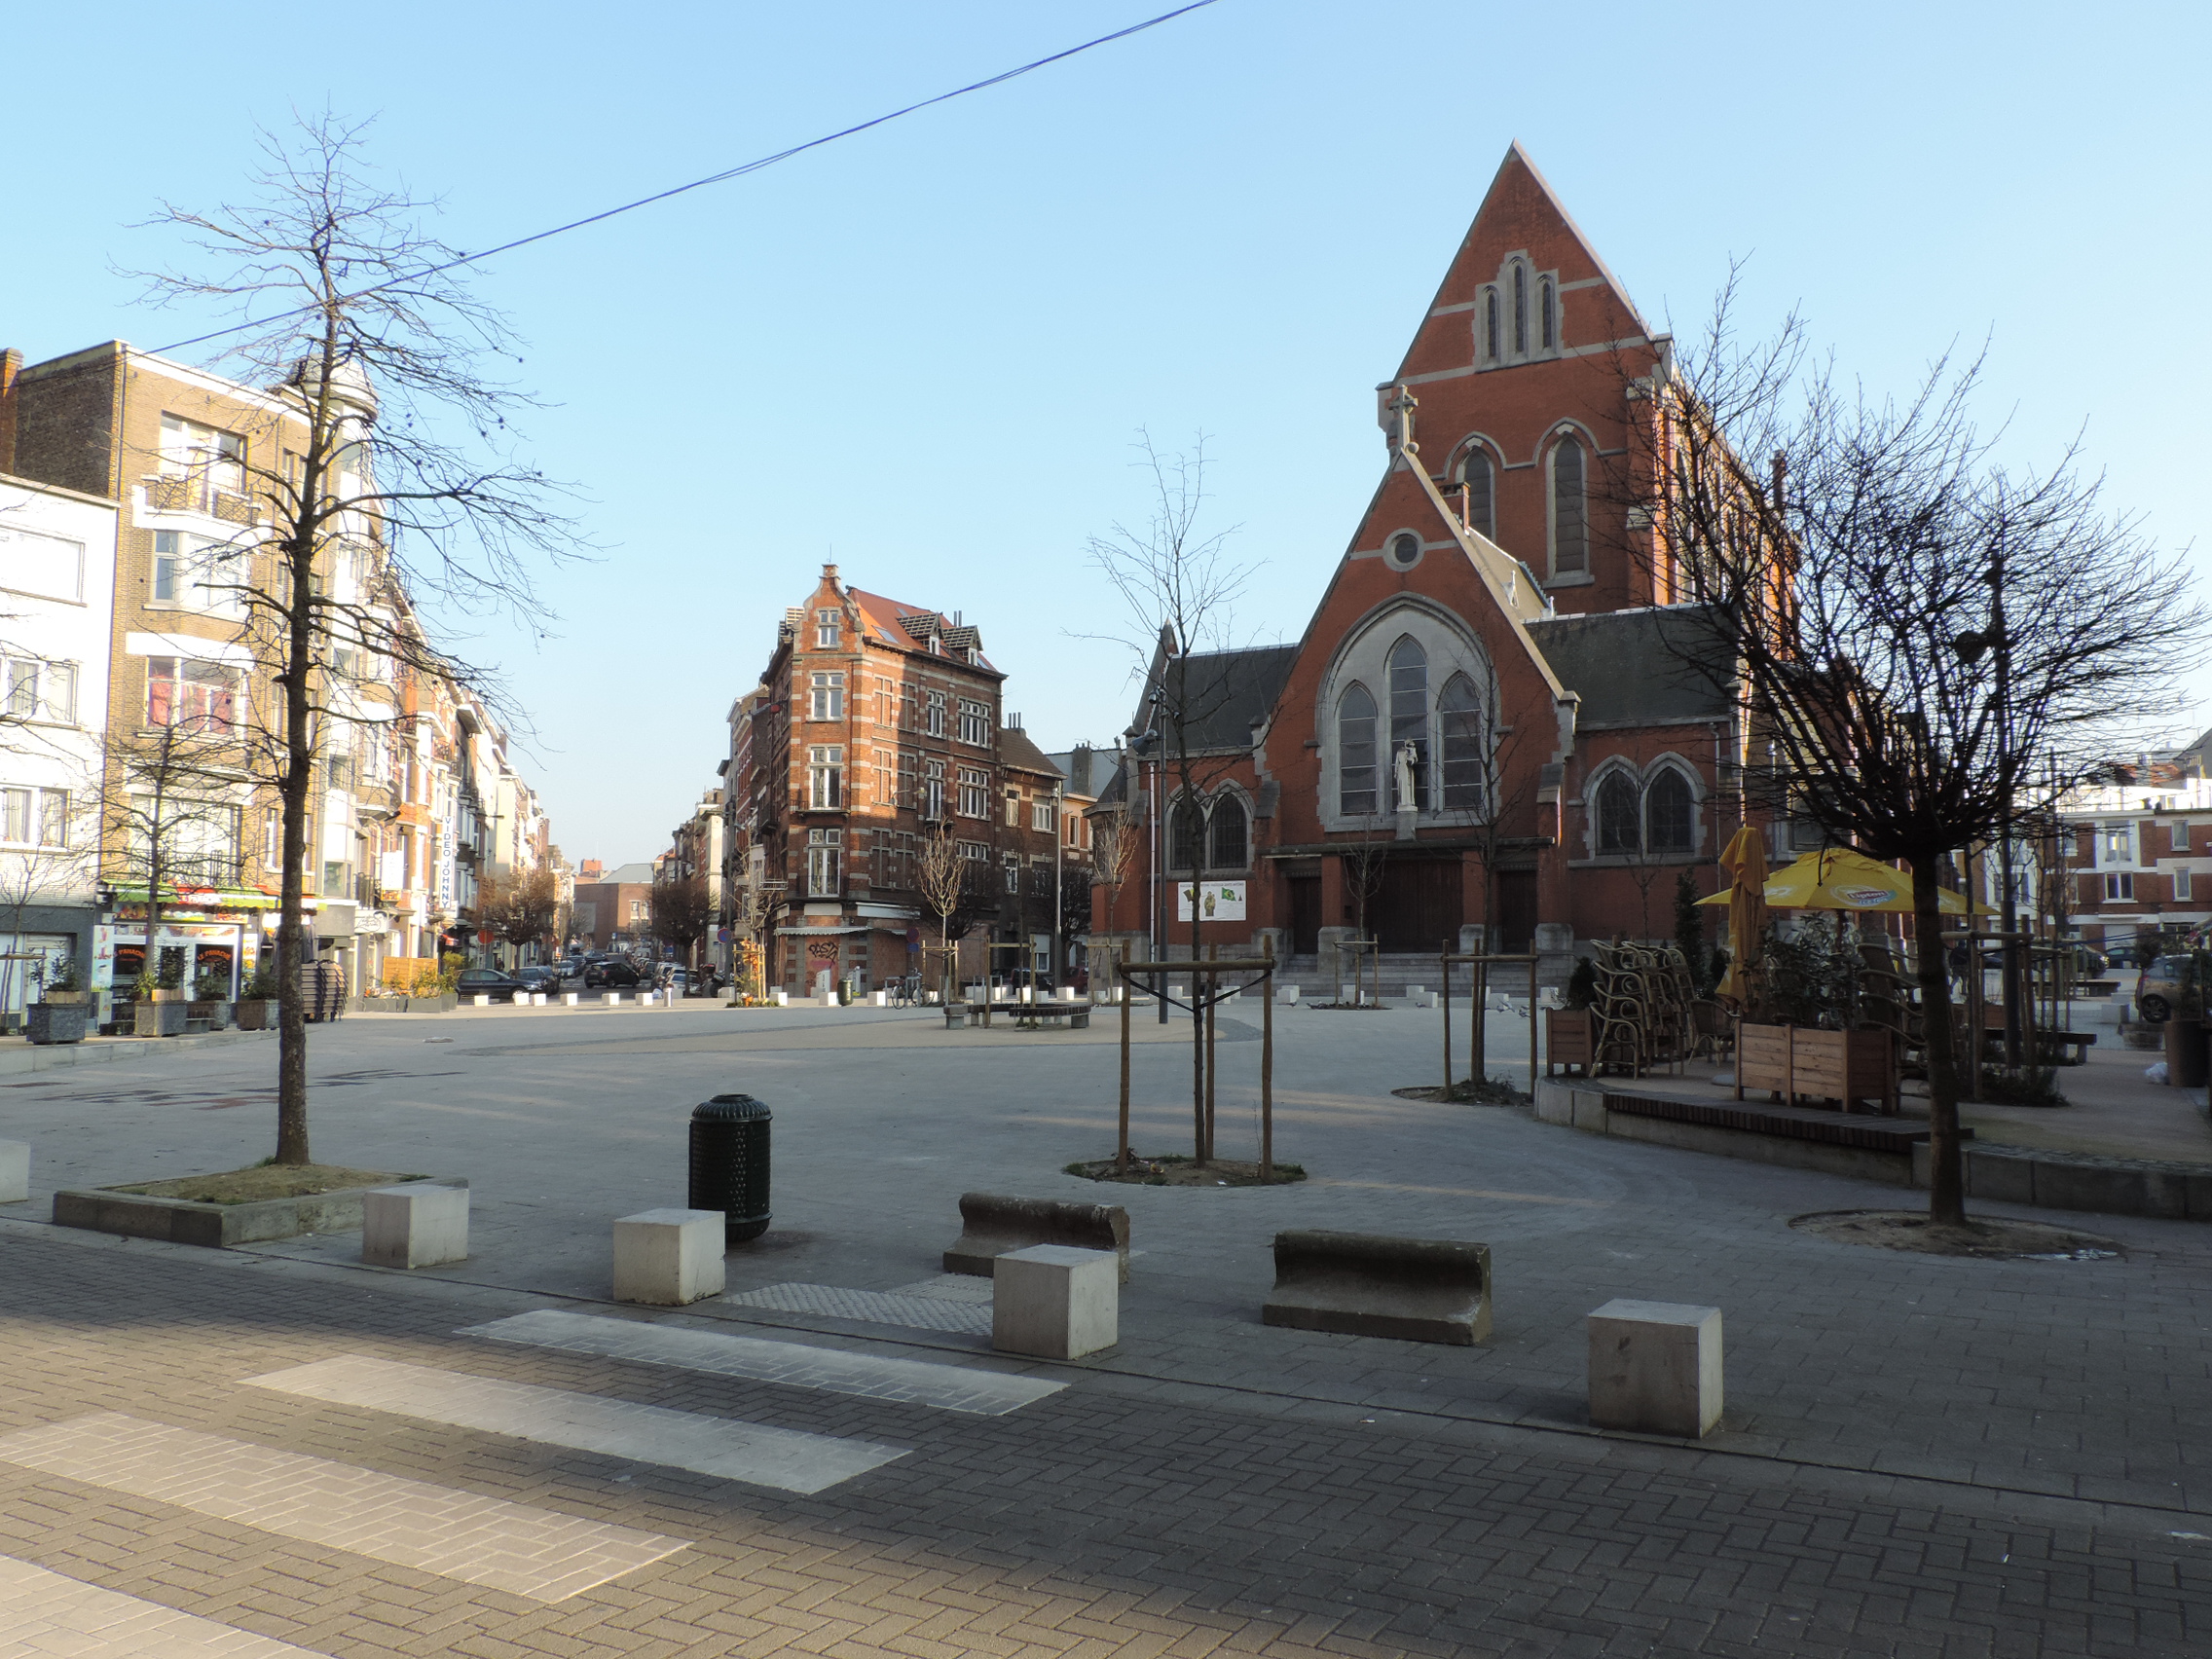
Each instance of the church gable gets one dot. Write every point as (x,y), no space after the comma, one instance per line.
(1525,286)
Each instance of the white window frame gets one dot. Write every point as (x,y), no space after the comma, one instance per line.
(933,789)
(975,723)
(933,714)
(37,691)
(826,697)
(184,672)
(2120,888)
(34,818)
(2115,845)
(826,777)
(2183,894)
(974,800)
(824,863)
(828,630)
(1042,814)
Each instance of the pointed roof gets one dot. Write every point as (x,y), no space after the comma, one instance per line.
(1516,192)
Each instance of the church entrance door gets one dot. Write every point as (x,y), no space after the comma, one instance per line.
(1417,904)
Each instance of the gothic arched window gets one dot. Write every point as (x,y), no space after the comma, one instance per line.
(1617,814)
(1669,812)
(1356,751)
(1519,310)
(1460,738)
(1227,826)
(1408,717)
(1476,473)
(1548,307)
(1571,535)
(1185,825)
(1490,325)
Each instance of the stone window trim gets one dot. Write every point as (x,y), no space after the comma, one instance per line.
(1482,512)
(1520,315)
(1548,456)
(1363,655)
(1209,830)
(1640,779)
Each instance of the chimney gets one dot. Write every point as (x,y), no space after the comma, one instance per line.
(830,574)
(11,365)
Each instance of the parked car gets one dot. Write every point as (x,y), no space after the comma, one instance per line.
(572,968)
(491,983)
(615,973)
(674,979)
(538,976)
(2164,985)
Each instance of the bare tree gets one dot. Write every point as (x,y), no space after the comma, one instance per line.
(683,910)
(522,908)
(942,878)
(1179,586)
(389,475)
(1934,642)
(173,812)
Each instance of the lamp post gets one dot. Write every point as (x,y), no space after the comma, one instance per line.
(1970,647)
(1059,838)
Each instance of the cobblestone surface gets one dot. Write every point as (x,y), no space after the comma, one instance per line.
(1922,1457)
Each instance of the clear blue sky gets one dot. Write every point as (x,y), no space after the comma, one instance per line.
(929,347)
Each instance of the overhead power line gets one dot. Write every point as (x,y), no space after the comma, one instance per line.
(722,177)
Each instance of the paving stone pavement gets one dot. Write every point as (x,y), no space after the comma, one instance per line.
(1938,1458)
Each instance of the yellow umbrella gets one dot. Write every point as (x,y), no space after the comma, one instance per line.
(1837,878)
(1746,860)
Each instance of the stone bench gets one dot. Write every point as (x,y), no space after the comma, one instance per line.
(1655,1368)
(15,1171)
(991,1225)
(1055,1302)
(1366,1285)
(420,1225)
(961,1013)
(669,1257)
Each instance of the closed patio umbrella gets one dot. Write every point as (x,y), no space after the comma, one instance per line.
(1744,859)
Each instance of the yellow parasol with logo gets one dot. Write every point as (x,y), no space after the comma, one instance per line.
(1836,878)
(1744,859)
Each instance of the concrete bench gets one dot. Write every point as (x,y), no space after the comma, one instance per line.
(667,1257)
(1077,1015)
(1055,1302)
(420,1225)
(961,1013)
(1364,1284)
(1655,1368)
(991,1225)
(15,1171)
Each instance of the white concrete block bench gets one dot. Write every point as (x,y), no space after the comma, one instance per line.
(420,1225)
(669,1257)
(1055,1302)
(15,1171)
(1655,1368)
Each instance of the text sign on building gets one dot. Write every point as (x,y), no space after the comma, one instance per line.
(1216,901)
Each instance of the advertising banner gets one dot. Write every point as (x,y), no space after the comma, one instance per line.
(1215,900)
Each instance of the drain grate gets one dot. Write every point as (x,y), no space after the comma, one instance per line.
(872,1307)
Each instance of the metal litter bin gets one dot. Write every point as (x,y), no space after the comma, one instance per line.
(730,1164)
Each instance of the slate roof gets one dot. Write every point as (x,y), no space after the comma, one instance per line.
(629,875)
(1638,666)
(1225,692)
(1016,750)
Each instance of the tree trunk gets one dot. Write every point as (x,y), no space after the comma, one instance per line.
(1946,1175)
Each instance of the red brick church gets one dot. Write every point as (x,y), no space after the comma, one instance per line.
(1489,719)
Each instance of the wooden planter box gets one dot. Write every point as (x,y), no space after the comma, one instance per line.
(1843,1067)
(1570,1038)
(51,1021)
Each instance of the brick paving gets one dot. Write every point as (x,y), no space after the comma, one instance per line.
(1922,1457)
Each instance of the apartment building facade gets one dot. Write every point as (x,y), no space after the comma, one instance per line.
(875,728)
(413,792)
(2138,850)
(56,615)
